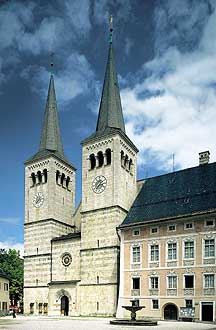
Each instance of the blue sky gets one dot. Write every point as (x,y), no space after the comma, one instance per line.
(165,53)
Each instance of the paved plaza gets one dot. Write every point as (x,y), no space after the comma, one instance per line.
(49,323)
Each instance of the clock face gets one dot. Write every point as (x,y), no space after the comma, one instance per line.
(99,184)
(38,199)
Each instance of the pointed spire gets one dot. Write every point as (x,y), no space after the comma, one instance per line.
(51,136)
(110,112)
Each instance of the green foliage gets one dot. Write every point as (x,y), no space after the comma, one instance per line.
(12,264)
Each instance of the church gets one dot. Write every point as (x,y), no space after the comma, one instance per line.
(151,241)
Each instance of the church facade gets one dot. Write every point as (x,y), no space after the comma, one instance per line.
(151,241)
(71,256)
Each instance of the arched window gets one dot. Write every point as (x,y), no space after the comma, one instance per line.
(33,178)
(92,161)
(108,156)
(57,177)
(122,158)
(100,159)
(67,182)
(62,179)
(39,175)
(45,175)
(130,165)
(126,161)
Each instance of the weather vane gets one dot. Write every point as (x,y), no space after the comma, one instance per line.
(111,28)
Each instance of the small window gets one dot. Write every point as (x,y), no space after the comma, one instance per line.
(188,225)
(33,178)
(210,223)
(154,230)
(97,306)
(40,308)
(189,281)
(67,182)
(39,176)
(122,158)
(5,286)
(136,283)
(126,161)
(155,304)
(57,177)
(189,303)
(130,164)
(98,279)
(62,179)
(31,308)
(136,232)
(172,228)
(45,175)
(37,282)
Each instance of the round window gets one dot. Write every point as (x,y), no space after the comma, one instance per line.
(66,259)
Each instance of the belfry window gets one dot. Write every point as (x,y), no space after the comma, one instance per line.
(33,178)
(92,161)
(122,158)
(67,182)
(57,177)
(100,159)
(126,161)
(108,156)
(130,165)
(62,179)
(39,176)
(45,175)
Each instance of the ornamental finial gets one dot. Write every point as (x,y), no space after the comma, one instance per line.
(51,62)
(111,28)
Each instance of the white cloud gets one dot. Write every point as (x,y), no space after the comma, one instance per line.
(10,244)
(172,111)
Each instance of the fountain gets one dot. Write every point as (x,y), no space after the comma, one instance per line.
(133,321)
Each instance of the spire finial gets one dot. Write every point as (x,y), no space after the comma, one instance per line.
(111,28)
(51,62)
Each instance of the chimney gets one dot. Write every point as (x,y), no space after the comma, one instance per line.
(204,157)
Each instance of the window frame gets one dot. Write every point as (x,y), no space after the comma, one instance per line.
(186,275)
(133,246)
(134,230)
(172,276)
(167,251)
(150,254)
(204,282)
(154,277)
(209,226)
(152,304)
(204,248)
(154,227)
(194,249)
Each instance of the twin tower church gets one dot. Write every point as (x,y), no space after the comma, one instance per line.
(150,240)
(72,254)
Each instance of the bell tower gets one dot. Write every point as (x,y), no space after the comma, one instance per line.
(49,205)
(109,161)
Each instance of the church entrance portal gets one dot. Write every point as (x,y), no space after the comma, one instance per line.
(170,312)
(64,306)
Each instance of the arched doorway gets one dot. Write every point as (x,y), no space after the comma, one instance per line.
(64,305)
(170,312)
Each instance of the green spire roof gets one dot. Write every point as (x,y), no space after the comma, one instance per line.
(51,136)
(110,113)
(50,142)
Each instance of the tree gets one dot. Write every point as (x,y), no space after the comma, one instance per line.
(12,264)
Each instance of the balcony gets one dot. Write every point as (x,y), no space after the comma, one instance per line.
(153,292)
(171,292)
(209,292)
(189,292)
(135,292)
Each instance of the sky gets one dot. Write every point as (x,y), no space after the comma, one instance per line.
(165,54)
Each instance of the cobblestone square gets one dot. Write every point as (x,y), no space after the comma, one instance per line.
(48,323)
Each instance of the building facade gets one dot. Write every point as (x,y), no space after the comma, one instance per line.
(168,246)
(4,293)
(150,241)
